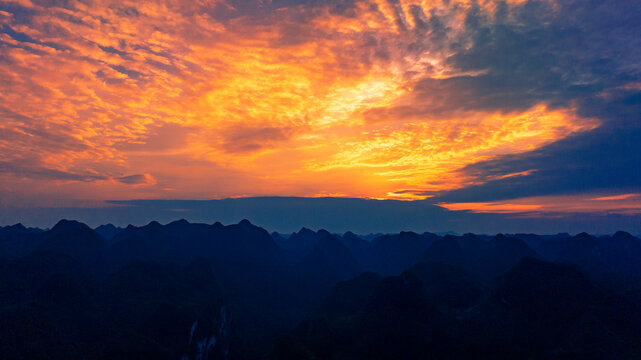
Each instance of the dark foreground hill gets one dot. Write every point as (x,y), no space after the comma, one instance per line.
(51,308)
(536,310)
(200,291)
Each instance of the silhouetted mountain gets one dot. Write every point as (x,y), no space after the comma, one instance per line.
(215,291)
(329,262)
(178,311)
(545,310)
(19,228)
(326,264)
(392,254)
(278,238)
(67,237)
(76,240)
(349,296)
(359,247)
(299,244)
(450,287)
(386,254)
(619,253)
(46,308)
(538,310)
(371,236)
(534,240)
(390,318)
(483,259)
(51,309)
(17,240)
(247,263)
(108,231)
(236,245)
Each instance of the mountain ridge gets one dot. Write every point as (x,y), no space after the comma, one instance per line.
(193,278)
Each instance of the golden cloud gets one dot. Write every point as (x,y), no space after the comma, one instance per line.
(275,104)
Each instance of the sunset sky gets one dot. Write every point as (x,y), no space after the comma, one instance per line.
(525,109)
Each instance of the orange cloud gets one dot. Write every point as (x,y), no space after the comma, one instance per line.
(297,101)
(550,205)
(618,197)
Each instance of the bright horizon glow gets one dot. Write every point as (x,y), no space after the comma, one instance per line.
(541,205)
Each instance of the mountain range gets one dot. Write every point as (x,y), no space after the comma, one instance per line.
(209,291)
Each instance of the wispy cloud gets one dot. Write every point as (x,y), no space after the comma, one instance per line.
(629,204)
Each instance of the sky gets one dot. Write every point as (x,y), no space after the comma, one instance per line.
(510,114)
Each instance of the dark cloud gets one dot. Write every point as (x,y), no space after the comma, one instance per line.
(138,179)
(109,80)
(38,171)
(168,68)
(17,35)
(112,50)
(399,14)
(66,4)
(345,8)
(571,54)
(25,38)
(21,14)
(287,214)
(240,139)
(20,46)
(528,54)
(129,72)
(420,20)
(605,159)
